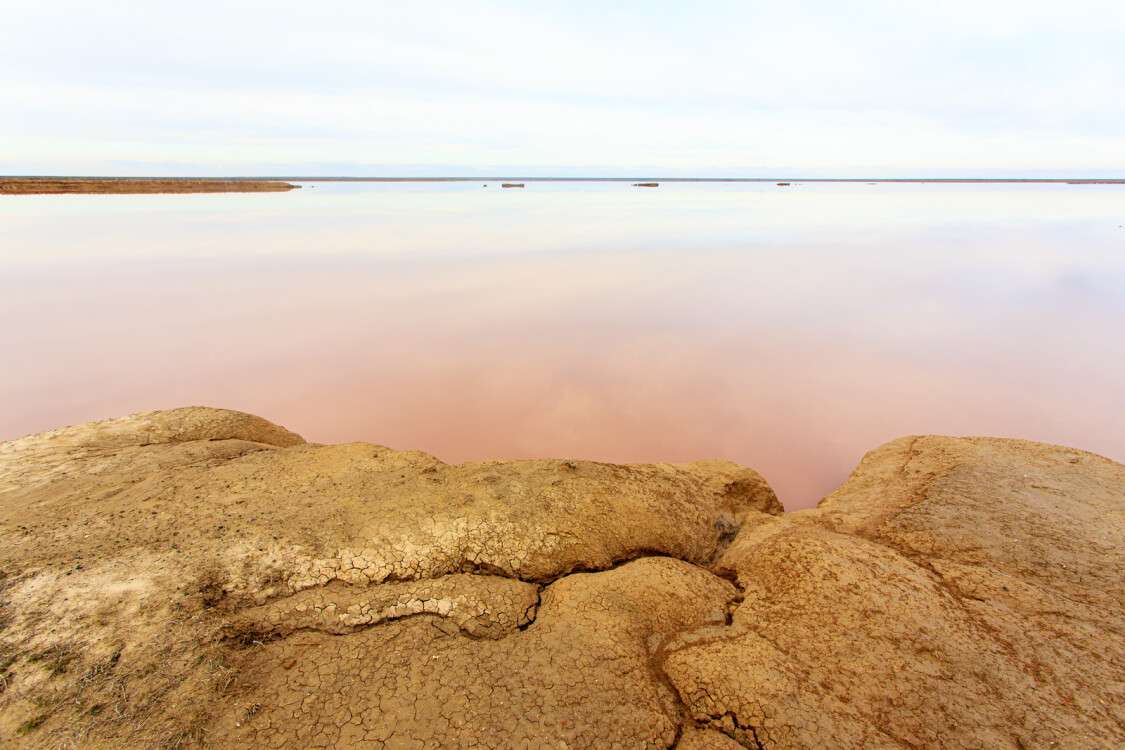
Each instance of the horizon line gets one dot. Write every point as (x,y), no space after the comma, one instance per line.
(503,178)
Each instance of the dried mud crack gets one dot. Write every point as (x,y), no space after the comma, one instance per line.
(204,578)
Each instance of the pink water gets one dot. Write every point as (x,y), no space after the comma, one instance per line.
(790,329)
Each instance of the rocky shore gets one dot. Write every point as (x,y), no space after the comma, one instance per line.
(201,577)
(129,185)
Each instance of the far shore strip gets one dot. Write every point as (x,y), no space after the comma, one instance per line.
(43,186)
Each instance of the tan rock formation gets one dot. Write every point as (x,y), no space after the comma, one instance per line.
(953,593)
(200,577)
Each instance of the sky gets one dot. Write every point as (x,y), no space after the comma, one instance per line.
(747,88)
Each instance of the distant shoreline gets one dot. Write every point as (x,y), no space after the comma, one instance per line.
(792,180)
(279,183)
(133,185)
(50,184)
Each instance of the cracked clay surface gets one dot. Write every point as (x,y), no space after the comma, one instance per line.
(204,578)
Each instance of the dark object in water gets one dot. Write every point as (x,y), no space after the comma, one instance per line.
(511,184)
(783,184)
(646,184)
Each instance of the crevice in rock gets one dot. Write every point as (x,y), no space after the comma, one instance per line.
(249,636)
(727,723)
(658,657)
(267,634)
(613,564)
(532,612)
(655,666)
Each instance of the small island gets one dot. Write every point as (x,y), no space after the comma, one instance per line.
(130,185)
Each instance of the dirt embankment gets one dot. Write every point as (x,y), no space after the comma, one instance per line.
(43,186)
(204,578)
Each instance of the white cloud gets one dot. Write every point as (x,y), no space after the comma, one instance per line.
(723,87)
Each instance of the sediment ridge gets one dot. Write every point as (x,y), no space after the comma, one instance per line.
(204,578)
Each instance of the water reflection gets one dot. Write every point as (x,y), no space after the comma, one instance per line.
(790,330)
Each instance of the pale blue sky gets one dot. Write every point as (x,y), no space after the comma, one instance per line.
(872,87)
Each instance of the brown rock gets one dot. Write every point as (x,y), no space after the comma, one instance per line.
(217,548)
(694,738)
(953,593)
(200,577)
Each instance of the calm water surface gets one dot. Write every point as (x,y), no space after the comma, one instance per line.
(790,329)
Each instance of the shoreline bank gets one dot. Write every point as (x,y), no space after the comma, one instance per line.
(129,186)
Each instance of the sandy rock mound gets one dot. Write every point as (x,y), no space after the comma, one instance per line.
(953,593)
(200,577)
(580,675)
(184,576)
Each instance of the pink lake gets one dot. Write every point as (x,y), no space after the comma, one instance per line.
(789,329)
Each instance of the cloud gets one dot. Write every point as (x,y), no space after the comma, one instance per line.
(873,86)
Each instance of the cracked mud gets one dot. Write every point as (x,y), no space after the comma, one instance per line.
(204,578)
